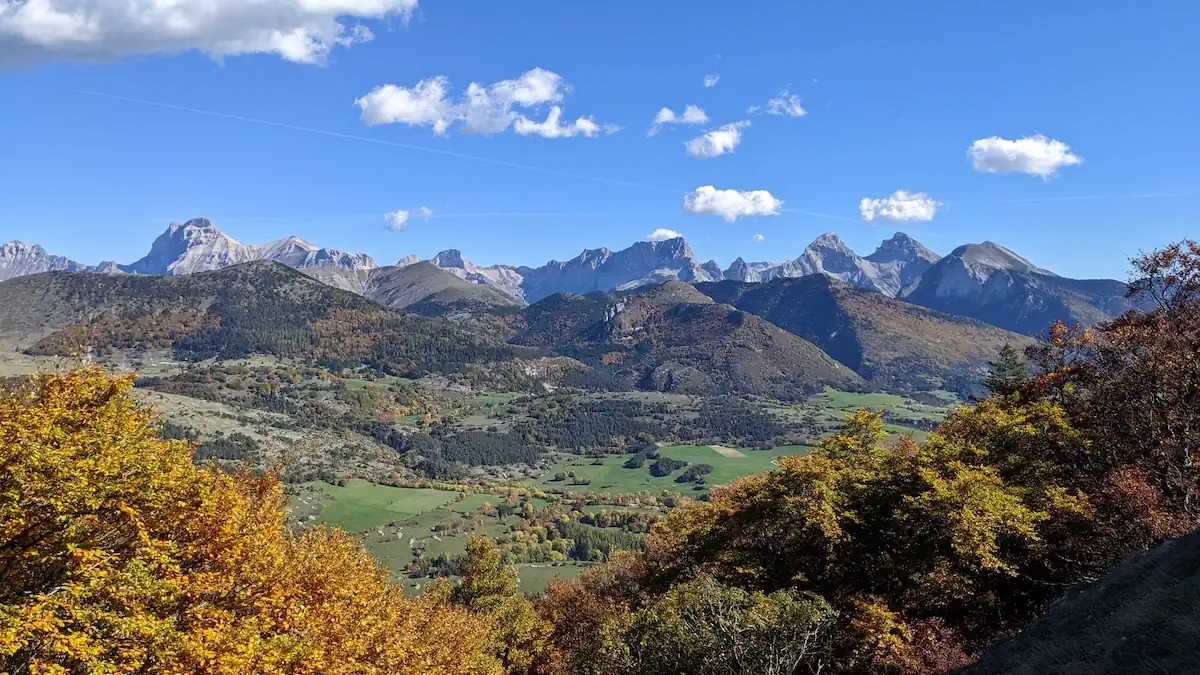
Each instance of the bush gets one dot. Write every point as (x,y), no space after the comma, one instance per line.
(665,466)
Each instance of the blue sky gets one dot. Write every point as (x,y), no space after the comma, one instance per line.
(894,94)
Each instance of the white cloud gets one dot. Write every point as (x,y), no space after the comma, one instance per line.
(584,126)
(691,115)
(662,234)
(758,238)
(784,104)
(396,220)
(489,110)
(425,212)
(731,204)
(711,81)
(1035,155)
(424,104)
(716,142)
(302,31)
(901,206)
(482,109)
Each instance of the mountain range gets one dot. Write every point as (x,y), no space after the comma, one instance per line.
(891,343)
(982,281)
(672,337)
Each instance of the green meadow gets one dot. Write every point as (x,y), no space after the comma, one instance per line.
(610,474)
(360,505)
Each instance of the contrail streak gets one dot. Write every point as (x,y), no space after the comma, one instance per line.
(435,151)
(378,141)
(817,214)
(436,215)
(1147,195)
(530,214)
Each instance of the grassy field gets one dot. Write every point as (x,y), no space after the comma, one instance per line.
(828,408)
(394,522)
(353,383)
(844,401)
(612,476)
(533,578)
(361,505)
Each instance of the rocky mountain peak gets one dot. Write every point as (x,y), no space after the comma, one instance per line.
(19,259)
(296,242)
(591,257)
(410,259)
(194,227)
(676,248)
(451,257)
(15,248)
(992,256)
(902,247)
(830,241)
(198,245)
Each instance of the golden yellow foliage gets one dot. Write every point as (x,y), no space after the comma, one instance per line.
(118,555)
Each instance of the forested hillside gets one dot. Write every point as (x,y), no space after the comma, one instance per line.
(891,343)
(674,338)
(255,308)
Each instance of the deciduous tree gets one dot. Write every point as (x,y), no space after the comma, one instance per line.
(118,555)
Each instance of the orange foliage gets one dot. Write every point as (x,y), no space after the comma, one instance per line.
(118,555)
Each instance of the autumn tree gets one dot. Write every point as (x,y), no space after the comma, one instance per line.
(1132,385)
(904,542)
(118,555)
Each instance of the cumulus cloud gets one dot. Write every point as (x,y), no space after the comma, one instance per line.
(716,142)
(711,81)
(662,234)
(482,109)
(302,31)
(396,220)
(758,238)
(731,204)
(424,104)
(691,115)
(552,128)
(1035,155)
(785,103)
(901,206)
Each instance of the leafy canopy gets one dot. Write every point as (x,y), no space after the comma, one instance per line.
(118,555)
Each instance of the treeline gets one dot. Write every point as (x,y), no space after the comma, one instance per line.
(444,452)
(563,540)
(311,398)
(608,425)
(235,447)
(266,309)
(571,423)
